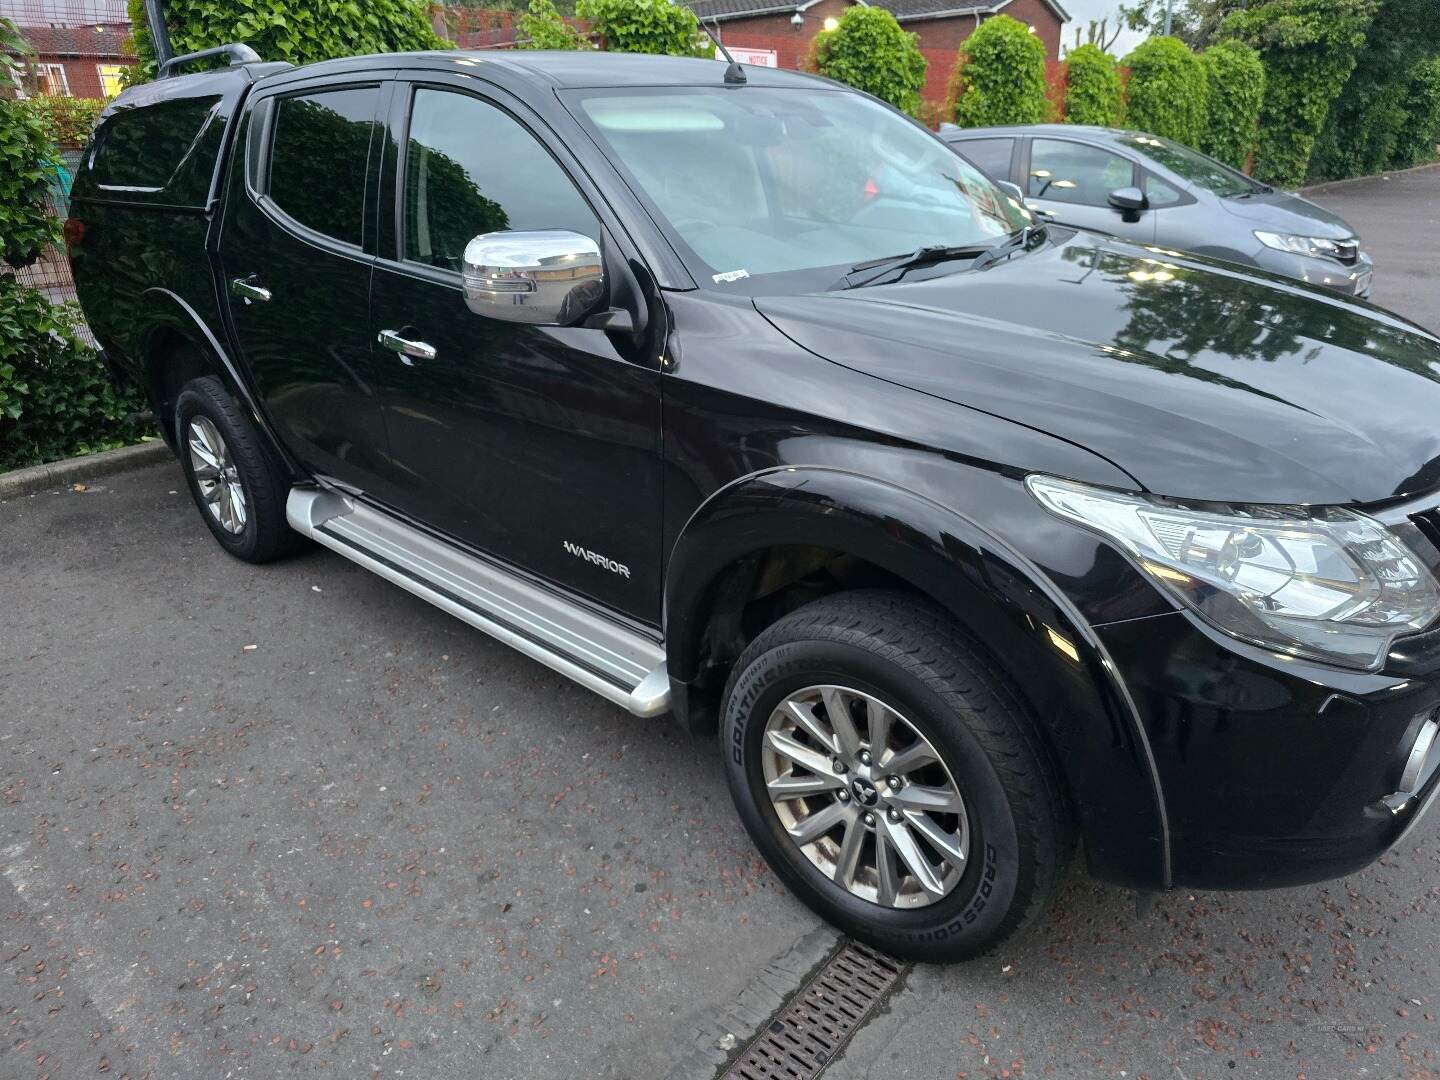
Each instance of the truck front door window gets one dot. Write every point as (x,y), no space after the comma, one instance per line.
(470,168)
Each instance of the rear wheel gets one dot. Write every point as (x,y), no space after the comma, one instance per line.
(236,480)
(892,776)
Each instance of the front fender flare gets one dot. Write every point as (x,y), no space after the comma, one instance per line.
(1031,628)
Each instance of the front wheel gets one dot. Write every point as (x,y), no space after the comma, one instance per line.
(892,776)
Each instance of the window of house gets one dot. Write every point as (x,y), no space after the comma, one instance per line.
(51,79)
(109,76)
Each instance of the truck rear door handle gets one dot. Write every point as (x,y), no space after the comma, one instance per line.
(246,287)
(405,347)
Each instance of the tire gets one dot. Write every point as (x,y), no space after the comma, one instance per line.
(248,515)
(906,655)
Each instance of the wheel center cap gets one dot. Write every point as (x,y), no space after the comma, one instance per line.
(864,791)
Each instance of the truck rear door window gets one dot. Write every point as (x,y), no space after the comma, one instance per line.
(142,148)
(318,159)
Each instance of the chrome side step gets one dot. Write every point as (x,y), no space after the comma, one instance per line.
(618,664)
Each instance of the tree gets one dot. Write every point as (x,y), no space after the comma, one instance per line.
(645,26)
(1373,113)
(1422,104)
(869,51)
(1093,94)
(1097,34)
(1166,93)
(1000,76)
(300,31)
(1235,81)
(1309,48)
(542,27)
(1195,22)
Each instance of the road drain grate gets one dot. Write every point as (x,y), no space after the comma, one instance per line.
(819,1020)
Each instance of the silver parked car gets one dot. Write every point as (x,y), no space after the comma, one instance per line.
(1158,192)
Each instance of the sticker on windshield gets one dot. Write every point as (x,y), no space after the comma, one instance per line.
(731,275)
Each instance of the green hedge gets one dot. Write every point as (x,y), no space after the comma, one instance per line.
(1309,49)
(542,27)
(1093,93)
(56,399)
(645,26)
(869,51)
(67,121)
(1236,86)
(1370,119)
(300,31)
(1000,76)
(27,167)
(1166,91)
(1416,143)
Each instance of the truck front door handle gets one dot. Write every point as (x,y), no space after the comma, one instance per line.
(421,350)
(246,288)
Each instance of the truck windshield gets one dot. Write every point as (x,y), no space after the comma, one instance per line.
(765,190)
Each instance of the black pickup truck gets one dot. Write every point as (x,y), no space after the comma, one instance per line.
(732,393)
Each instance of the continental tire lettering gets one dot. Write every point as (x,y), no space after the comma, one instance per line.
(594,558)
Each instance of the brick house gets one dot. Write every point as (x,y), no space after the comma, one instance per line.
(785,30)
(81,46)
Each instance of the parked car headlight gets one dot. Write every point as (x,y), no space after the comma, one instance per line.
(1317,247)
(1326,583)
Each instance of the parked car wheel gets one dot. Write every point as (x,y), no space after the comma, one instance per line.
(893,777)
(235,478)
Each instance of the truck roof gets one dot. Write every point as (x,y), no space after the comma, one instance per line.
(578,68)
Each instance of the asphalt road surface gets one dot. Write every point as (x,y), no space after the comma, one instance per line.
(264,822)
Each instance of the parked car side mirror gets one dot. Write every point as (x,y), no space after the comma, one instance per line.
(1129,199)
(1013,190)
(550,277)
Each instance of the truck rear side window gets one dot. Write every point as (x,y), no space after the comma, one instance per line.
(318,158)
(143,147)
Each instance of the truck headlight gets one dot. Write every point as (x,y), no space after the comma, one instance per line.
(1317,247)
(1326,583)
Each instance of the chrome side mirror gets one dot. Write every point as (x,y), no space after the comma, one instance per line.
(550,277)
(1013,190)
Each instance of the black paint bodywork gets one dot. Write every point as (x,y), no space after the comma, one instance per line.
(892,426)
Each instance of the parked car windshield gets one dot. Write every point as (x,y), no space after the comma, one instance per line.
(766,190)
(1191,165)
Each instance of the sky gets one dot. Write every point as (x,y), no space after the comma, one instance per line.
(1082,11)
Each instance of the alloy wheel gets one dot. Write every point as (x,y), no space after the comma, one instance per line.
(216,474)
(865,797)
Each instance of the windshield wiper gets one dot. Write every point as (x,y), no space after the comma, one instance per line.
(896,266)
(1258,189)
(1020,239)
